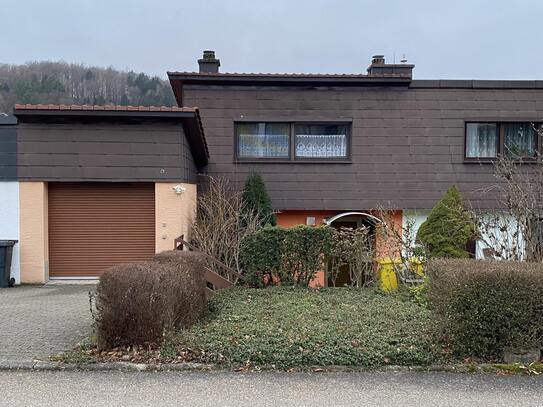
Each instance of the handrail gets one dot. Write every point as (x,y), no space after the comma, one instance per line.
(180,242)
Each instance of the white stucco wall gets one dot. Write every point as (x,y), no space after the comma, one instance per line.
(416,217)
(9,221)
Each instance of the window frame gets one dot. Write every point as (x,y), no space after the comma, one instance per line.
(262,159)
(292,139)
(500,140)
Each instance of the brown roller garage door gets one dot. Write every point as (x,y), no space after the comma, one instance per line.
(93,226)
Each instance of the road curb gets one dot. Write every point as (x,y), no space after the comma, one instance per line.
(200,367)
(100,367)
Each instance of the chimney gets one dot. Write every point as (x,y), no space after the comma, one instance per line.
(208,63)
(380,68)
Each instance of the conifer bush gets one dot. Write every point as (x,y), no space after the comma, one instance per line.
(257,200)
(448,228)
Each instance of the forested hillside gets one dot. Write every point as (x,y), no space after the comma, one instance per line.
(60,82)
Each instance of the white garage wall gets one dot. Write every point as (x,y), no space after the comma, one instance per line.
(9,221)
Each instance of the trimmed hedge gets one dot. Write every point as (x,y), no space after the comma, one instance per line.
(137,303)
(484,307)
(289,256)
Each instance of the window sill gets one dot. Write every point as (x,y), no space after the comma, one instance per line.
(299,161)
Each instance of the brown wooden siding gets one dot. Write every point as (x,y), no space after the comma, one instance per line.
(93,226)
(74,151)
(407,143)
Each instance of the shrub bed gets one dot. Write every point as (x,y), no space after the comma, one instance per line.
(288,327)
(137,303)
(484,307)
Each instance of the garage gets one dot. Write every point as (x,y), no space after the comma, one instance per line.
(93,226)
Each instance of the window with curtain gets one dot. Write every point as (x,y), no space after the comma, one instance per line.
(481,140)
(519,140)
(320,141)
(263,140)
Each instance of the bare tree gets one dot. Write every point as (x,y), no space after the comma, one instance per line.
(354,250)
(221,224)
(399,244)
(515,230)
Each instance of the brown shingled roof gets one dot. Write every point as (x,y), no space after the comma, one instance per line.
(194,130)
(117,108)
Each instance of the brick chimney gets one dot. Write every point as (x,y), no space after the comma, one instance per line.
(380,68)
(208,63)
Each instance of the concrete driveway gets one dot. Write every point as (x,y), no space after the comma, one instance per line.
(36,322)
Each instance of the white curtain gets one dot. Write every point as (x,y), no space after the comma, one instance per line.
(481,140)
(519,139)
(321,141)
(263,140)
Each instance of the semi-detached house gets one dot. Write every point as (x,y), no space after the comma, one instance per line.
(90,186)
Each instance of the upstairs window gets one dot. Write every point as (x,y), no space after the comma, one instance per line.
(488,140)
(481,140)
(320,141)
(295,141)
(263,140)
(519,140)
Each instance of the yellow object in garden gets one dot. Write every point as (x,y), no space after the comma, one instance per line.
(387,276)
(417,266)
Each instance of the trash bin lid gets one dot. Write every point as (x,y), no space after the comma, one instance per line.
(7,243)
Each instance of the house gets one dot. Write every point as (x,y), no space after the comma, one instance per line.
(331,148)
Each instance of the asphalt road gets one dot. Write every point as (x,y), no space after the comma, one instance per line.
(267,389)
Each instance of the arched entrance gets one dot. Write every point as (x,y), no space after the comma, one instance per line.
(351,220)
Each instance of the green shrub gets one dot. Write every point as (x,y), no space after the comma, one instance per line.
(137,303)
(304,249)
(256,199)
(287,256)
(261,256)
(484,307)
(448,228)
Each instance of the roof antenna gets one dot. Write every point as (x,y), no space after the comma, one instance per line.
(404,59)
(394,57)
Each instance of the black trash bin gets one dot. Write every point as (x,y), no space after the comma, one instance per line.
(6,250)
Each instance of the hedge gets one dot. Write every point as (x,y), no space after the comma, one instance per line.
(289,256)
(484,307)
(137,303)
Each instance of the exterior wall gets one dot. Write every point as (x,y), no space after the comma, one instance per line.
(8,152)
(174,213)
(417,217)
(294,218)
(103,151)
(34,245)
(9,222)
(407,142)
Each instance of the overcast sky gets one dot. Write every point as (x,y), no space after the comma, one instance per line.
(444,39)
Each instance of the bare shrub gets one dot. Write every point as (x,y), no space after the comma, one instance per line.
(515,231)
(400,245)
(353,248)
(221,224)
(137,303)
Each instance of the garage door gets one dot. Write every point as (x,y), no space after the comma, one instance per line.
(93,226)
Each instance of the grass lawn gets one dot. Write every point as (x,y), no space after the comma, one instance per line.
(296,328)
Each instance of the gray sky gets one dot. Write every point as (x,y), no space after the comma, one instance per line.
(444,39)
